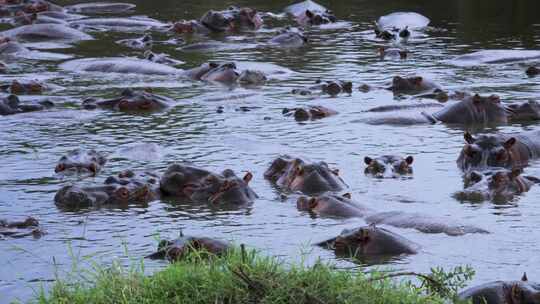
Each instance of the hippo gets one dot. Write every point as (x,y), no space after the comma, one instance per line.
(393,53)
(189,27)
(251,78)
(309,113)
(223,73)
(369,241)
(143,43)
(470,110)
(161,58)
(46,31)
(330,205)
(100,8)
(494,57)
(17,229)
(532,71)
(196,73)
(310,13)
(177,249)
(500,185)
(289,39)
(231,19)
(296,174)
(502,150)
(197,185)
(334,206)
(412,85)
(79,160)
(503,292)
(123,65)
(24,87)
(12,105)
(7,46)
(388,166)
(330,87)
(124,24)
(125,188)
(399,24)
(131,101)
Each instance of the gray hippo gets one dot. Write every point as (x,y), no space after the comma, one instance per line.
(18,229)
(504,292)
(289,39)
(499,185)
(310,13)
(123,65)
(494,57)
(309,113)
(470,110)
(100,8)
(412,85)
(161,58)
(123,24)
(225,73)
(131,101)
(501,150)
(334,206)
(330,87)
(197,185)
(231,19)
(369,241)
(79,160)
(399,24)
(12,105)
(393,52)
(46,31)
(125,188)
(24,87)
(251,78)
(388,166)
(143,43)
(296,174)
(177,249)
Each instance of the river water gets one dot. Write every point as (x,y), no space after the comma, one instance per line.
(248,141)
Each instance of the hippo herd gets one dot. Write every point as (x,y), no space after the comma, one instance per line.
(492,165)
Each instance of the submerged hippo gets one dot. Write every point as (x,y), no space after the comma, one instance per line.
(79,160)
(233,18)
(202,186)
(12,105)
(369,241)
(46,31)
(177,249)
(399,24)
(330,87)
(143,43)
(310,13)
(388,166)
(502,150)
(100,8)
(125,188)
(131,101)
(499,185)
(125,24)
(251,77)
(189,27)
(223,73)
(123,65)
(24,87)
(494,57)
(412,85)
(18,229)
(309,112)
(504,292)
(289,39)
(295,174)
(393,53)
(331,205)
(161,58)
(532,71)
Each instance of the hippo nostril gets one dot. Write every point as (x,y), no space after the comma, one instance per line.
(122,193)
(60,167)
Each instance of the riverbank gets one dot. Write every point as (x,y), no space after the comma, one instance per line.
(249,277)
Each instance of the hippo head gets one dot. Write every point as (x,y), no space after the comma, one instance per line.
(36,7)
(252,77)
(249,17)
(79,160)
(202,186)
(139,101)
(313,17)
(500,185)
(311,112)
(488,151)
(31,87)
(177,249)
(388,166)
(184,26)
(127,187)
(407,84)
(532,71)
(529,110)
(518,292)
(295,174)
(370,240)
(333,88)
(224,73)
(219,21)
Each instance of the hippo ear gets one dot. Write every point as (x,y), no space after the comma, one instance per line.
(468,138)
(247,178)
(509,143)
(335,171)
(524,277)
(368,160)
(309,14)
(409,160)
(347,195)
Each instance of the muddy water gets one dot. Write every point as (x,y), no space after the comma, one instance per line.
(193,131)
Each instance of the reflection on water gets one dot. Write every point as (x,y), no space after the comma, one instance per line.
(247,141)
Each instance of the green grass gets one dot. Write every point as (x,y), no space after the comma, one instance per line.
(239,277)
